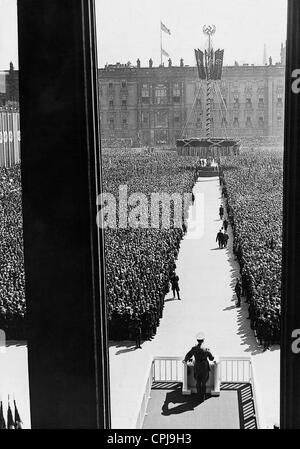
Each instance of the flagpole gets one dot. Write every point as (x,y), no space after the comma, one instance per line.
(160,44)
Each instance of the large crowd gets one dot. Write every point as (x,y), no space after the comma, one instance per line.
(141,262)
(252,185)
(12,280)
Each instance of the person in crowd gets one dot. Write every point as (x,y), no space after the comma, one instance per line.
(225,225)
(220,239)
(221,212)
(225,239)
(175,286)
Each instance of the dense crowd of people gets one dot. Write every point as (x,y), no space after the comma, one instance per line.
(252,185)
(12,279)
(140,263)
(116,143)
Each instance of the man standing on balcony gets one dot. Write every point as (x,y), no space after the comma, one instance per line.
(201,366)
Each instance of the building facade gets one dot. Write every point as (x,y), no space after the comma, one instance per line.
(157,105)
(9,87)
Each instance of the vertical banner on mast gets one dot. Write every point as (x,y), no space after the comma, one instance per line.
(166,30)
(210,66)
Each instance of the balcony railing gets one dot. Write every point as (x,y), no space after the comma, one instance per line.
(172,369)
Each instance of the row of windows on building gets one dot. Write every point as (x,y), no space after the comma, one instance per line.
(162,99)
(236,102)
(249,123)
(162,121)
(161,94)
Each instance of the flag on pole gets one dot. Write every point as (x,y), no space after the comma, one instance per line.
(18,421)
(219,56)
(163,52)
(164,28)
(200,64)
(2,420)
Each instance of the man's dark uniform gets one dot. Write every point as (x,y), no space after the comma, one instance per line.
(220,239)
(175,286)
(201,367)
(225,238)
(221,212)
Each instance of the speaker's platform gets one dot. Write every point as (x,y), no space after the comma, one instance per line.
(208,147)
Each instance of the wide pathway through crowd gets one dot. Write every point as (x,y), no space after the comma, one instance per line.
(207,277)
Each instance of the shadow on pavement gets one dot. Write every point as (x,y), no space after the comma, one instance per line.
(186,403)
(229,308)
(127,346)
(171,299)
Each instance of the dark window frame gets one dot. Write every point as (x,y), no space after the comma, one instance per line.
(63,246)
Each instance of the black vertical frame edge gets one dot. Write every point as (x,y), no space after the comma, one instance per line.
(290,362)
(64,253)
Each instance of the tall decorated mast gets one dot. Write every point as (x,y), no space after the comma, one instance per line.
(210,66)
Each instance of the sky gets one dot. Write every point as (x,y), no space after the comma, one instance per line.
(8,34)
(130,29)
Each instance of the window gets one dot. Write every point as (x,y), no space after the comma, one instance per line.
(123,84)
(260,101)
(124,122)
(279,100)
(236,121)
(261,121)
(161,119)
(145,94)
(111,103)
(176,118)
(176,93)
(248,122)
(145,90)
(111,123)
(110,85)
(124,103)
(145,118)
(176,90)
(248,101)
(161,95)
